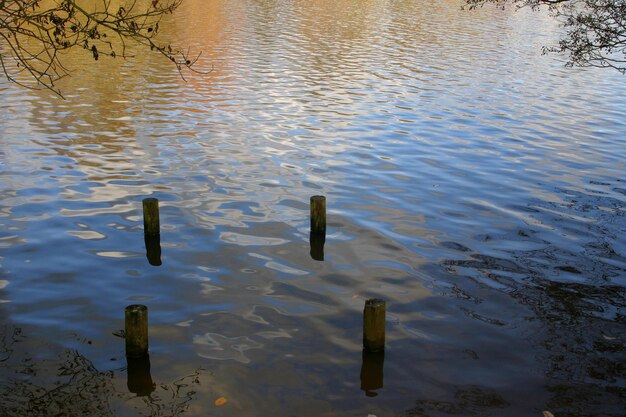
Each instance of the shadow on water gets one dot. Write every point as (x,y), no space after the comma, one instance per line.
(64,382)
(572,299)
(585,346)
(580,347)
(468,401)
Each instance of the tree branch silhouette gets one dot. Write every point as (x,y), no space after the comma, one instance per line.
(35,33)
(595,30)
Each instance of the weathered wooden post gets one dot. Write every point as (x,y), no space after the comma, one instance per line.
(151,226)
(153,249)
(136,330)
(318,214)
(374,325)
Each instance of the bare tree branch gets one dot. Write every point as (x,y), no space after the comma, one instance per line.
(33,33)
(595,30)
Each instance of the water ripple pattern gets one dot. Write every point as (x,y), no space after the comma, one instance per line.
(473,183)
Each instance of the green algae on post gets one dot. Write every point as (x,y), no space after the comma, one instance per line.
(151,226)
(374,325)
(318,214)
(136,330)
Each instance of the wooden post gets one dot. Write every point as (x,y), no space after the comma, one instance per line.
(318,214)
(136,330)
(374,325)
(151,225)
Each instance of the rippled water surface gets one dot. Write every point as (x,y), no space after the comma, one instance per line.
(474,184)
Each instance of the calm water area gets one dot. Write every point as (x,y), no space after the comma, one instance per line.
(474,184)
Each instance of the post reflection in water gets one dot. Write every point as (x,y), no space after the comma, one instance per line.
(372,372)
(153,249)
(139,378)
(317,241)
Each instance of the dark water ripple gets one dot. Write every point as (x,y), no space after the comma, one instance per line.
(473,183)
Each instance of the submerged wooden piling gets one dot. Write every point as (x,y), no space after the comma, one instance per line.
(374,325)
(136,330)
(151,226)
(318,214)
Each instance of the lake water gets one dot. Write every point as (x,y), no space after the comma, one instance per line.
(473,183)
